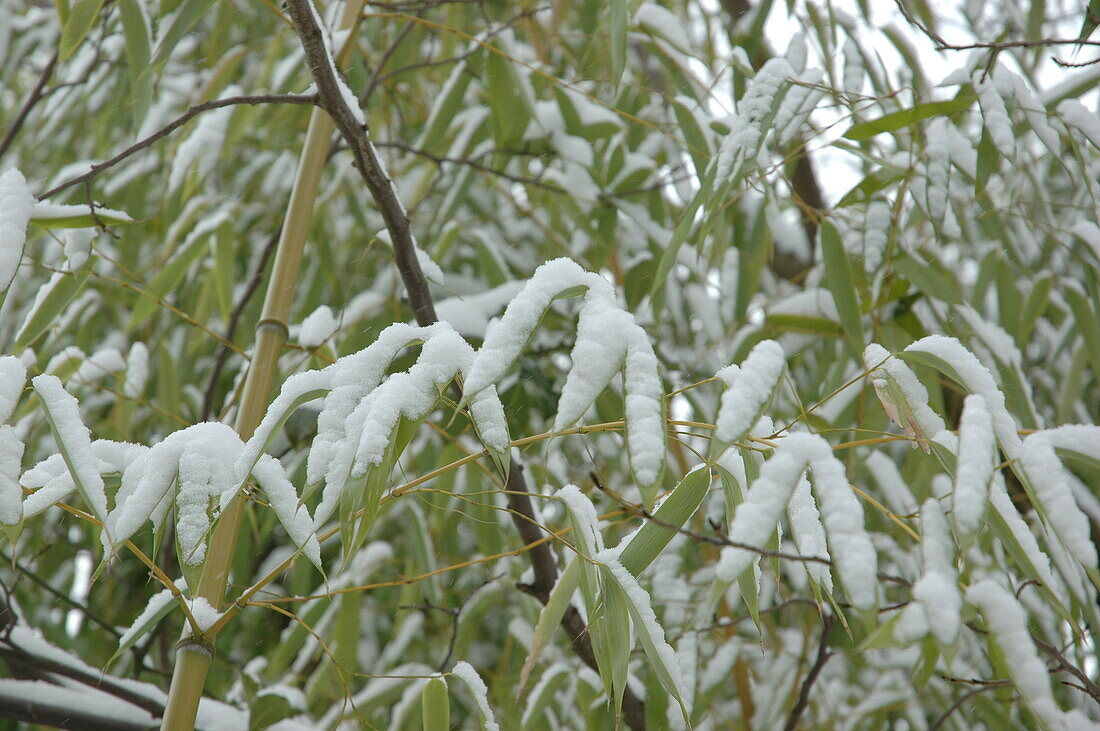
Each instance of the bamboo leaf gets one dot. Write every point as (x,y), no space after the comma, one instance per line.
(908,117)
(435,705)
(842,284)
(78,22)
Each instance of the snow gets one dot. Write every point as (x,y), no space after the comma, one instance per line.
(644,618)
(465,672)
(854,557)
(492,425)
(1076,114)
(205,615)
(318,327)
(11,458)
(809,533)
(469,314)
(974,472)
(102,362)
(887,476)
(1002,504)
(597,355)
(283,498)
(46,211)
(1051,484)
(13,377)
(913,414)
(109,708)
(755,105)
(755,519)
(201,148)
(997,122)
(431,270)
(938,170)
(507,336)
(53,482)
(75,440)
(157,603)
(1008,623)
(137,371)
(977,379)
(750,388)
(645,410)
(797,105)
(350,100)
(937,589)
(588,537)
(16,204)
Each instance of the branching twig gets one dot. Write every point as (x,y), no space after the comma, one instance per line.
(36,96)
(172,126)
(404,247)
(823,656)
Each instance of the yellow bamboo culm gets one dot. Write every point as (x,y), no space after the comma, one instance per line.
(193,655)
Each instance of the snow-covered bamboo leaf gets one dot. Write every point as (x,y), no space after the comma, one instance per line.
(158,607)
(52,298)
(16,204)
(58,215)
(974,469)
(750,389)
(465,672)
(661,656)
(74,441)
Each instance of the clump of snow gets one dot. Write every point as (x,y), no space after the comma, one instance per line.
(75,441)
(809,533)
(137,371)
(11,459)
(492,425)
(750,388)
(13,377)
(1008,623)
(997,122)
(1077,115)
(975,464)
(204,614)
(903,396)
(1052,486)
(465,671)
(16,204)
(937,589)
(318,327)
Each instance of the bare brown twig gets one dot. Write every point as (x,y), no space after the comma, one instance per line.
(172,126)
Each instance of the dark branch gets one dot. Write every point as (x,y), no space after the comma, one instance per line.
(331,99)
(36,96)
(823,656)
(172,126)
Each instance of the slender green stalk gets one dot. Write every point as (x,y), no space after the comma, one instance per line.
(193,654)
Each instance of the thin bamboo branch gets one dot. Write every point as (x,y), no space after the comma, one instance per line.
(192,657)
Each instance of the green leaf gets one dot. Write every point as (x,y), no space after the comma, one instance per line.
(841,282)
(1088,325)
(675,510)
(268,707)
(508,112)
(550,616)
(60,291)
(907,117)
(617,12)
(446,105)
(941,285)
(435,705)
(190,12)
(53,215)
(135,29)
(147,623)
(626,589)
(81,17)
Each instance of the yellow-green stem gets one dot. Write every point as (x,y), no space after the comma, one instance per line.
(193,654)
